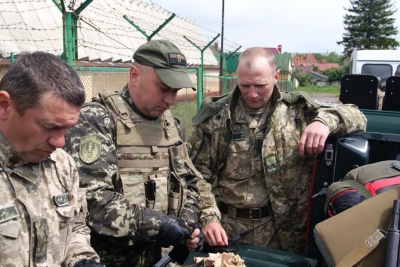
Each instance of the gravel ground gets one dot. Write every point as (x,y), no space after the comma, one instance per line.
(326,98)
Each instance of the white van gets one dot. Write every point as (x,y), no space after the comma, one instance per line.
(381,63)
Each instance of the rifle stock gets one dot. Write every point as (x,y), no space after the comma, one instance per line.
(164,261)
(178,254)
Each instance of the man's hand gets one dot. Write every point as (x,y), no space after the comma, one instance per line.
(313,138)
(215,235)
(196,241)
(172,231)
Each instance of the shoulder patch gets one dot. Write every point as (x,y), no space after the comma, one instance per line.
(8,213)
(90,148)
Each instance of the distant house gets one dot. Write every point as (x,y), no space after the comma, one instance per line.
(318,78)
(324,65)
(274,50)
(309,63)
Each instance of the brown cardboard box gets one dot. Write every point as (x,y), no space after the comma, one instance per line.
(339,235)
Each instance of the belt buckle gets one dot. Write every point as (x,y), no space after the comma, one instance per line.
(251,214)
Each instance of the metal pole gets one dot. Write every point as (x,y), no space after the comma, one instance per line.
(221,58)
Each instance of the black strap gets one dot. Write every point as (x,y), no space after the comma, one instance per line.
(251,213)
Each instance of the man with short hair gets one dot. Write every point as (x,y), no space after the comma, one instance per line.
(42,209)
(138,159)
(256,146)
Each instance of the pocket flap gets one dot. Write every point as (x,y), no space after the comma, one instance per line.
(10,228)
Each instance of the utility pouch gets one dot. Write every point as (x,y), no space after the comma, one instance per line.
(175,196)
(133,187)
(150,193)
(41,232)
(157,200)
(173,203)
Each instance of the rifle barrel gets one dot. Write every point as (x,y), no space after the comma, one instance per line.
(393,237)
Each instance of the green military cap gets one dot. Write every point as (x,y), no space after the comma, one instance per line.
(168,62)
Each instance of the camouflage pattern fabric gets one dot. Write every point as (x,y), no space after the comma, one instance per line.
(265,236)
(42,211)
(118,222)
(225,148)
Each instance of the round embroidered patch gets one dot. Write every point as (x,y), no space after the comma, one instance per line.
(90,148)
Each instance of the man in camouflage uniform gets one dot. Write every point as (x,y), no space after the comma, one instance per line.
(42,209)
(130,155)
(250,145)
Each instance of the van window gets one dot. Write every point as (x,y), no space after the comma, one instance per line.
(380,70)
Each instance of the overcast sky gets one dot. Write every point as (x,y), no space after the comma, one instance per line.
(298,25)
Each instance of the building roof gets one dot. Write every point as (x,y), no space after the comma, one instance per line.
(318,75)
(103,32)
(309,60)
(325,66)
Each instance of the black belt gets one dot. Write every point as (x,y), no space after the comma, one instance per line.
(252,213)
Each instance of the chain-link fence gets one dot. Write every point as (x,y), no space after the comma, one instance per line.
(3,70)
(96,81)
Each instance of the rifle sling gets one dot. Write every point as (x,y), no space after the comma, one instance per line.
(362,249)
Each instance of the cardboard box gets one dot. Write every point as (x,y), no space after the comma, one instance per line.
(337,236)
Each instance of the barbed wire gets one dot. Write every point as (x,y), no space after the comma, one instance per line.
(211,33)
(108,21)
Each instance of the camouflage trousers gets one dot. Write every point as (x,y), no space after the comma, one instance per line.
(114,252)
(265,236)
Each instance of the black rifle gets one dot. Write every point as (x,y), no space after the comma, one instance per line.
(178,254)
(393,237)
(164,261)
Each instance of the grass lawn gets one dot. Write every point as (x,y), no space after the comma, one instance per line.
(328,89)
(185,111)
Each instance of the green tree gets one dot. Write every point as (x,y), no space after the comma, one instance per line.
(369,25)
(331,57)
(334,58)
(304,79)
(334,74)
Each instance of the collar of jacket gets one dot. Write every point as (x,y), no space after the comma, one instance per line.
(125,95)
(276,95)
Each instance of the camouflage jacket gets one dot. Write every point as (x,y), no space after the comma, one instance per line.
(220,151)
(116,198)
(42,211)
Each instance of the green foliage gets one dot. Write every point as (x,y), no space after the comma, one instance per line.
(335,58)
(334,74)
(304,79)
(332,57)
(369,25)
(184,111)
(319,56)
